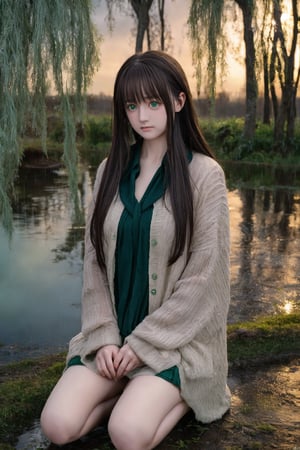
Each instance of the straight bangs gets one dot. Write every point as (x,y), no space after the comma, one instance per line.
(140,82)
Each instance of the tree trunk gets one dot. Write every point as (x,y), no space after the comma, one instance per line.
(246,7)
(281,117)
(141,9)
(290,131)
(293,86)
(286,114)
(148,37)
(272,78)
(265,46)
(267,109)
(161,10)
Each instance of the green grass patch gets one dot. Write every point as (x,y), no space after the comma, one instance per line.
(263,339)
(24,389)
(266,428)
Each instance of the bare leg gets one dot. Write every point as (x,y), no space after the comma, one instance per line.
(79,402)
(145,413)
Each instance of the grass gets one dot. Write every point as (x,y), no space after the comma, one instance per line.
(23,390)
(262,340)
(26,385)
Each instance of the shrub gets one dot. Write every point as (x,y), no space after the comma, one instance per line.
(98,131)
(56,128)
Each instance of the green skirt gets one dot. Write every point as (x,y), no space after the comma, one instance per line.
(171,374)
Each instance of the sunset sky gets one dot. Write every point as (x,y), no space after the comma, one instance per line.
(119,45)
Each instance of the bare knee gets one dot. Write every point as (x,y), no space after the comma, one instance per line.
(126,434)
(58,429)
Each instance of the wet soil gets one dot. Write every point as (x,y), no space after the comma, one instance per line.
(265,414)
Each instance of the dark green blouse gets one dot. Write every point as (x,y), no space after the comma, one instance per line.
(132,251)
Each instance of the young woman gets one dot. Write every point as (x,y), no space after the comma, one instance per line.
(156,273)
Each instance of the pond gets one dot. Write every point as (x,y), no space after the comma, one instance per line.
(41,267)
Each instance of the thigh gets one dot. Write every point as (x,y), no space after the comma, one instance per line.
(144,406)
(78,392)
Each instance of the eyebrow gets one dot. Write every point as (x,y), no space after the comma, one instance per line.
(145,98)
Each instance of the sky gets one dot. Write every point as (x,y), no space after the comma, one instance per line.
(117,46)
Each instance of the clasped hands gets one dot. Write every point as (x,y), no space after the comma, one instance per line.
(114,362)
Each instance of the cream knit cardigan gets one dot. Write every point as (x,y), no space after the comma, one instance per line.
(188,301)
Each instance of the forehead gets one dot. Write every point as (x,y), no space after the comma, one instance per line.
(139,84)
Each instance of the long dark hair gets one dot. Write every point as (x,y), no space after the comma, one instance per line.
(152,74)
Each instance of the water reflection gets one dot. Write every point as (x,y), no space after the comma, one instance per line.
(265,252)
(40,271)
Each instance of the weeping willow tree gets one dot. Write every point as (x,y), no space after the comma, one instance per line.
(206,23)
(206,20)
(43,44)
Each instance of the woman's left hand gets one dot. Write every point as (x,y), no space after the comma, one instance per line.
(125,361)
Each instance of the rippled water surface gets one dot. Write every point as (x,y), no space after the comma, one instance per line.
(41,267)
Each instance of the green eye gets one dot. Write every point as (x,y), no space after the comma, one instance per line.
(131,106)
(154,104)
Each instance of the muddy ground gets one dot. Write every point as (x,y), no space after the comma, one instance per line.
(265,414)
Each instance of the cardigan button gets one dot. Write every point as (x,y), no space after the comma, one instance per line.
(153,291)
(153,242)
(154,276)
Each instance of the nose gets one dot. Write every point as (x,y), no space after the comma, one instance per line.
(143,112)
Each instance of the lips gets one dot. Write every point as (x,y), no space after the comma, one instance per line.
(146,128)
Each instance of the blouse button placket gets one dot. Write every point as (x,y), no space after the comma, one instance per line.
(154,275)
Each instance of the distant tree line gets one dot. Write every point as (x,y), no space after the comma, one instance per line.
(224,106)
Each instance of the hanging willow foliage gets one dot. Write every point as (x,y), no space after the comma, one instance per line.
(43,43)
(206,20)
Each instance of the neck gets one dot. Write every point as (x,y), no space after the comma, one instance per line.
(154,151)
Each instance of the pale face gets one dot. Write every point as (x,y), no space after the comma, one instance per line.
(148,118)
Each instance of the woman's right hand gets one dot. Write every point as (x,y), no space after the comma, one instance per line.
(105,361)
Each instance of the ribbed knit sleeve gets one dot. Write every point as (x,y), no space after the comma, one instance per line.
(197,308)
